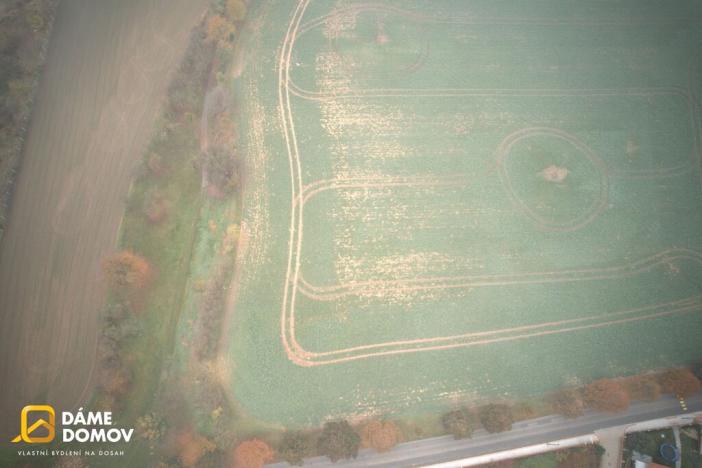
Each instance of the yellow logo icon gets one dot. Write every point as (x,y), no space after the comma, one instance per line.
(27,430)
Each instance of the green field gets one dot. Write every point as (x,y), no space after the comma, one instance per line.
(451,201)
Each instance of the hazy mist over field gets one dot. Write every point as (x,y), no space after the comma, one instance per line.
(390,233)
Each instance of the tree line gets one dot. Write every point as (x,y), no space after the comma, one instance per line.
(25,27)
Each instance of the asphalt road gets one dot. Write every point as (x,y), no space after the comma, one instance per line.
(524,433)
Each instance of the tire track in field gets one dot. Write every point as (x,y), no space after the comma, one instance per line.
(300,194)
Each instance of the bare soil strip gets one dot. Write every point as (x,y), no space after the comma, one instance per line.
(105,77)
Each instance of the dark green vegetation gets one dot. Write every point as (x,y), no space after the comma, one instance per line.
(24,32)
(188,178)
(338,440)
(496,417)
(295,446)
(166,244)
(648,443)
(460,423)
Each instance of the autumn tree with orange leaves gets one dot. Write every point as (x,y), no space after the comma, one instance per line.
(253,453)
(643,387)
(192,447)
(606,395)
(380,435)
(220,30)
(126,272)
(680,382)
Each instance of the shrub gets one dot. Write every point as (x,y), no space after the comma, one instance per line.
(150,427)
(544,460)
(338,440)
(155,208)
(155,164)
(221,169)
(499,464)
(567,402)
(186,90)
(496,417)
(581,457)
(643,442)
(380,435)
(294,447)
(252,453)
(223,130)
(126,272)
(523,410)
(235,10)
(70,462)
(459,423)
(606,395)
(116,312)
(643,387)
(115,381)
(105,402)
(192,447)
(680,382)
(108,352)
(697,370)
(220,31)
(211,309)
(231,237)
